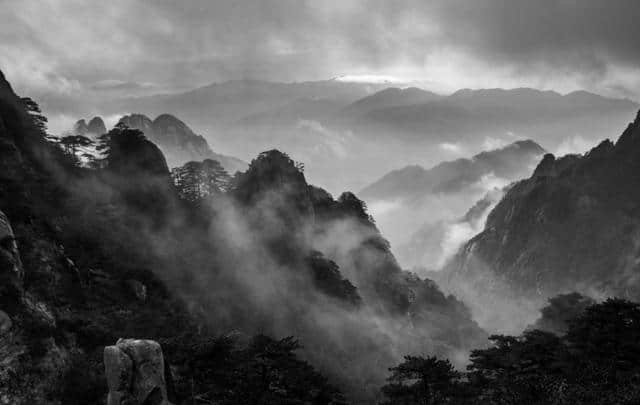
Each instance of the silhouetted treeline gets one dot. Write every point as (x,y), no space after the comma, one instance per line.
(597,361)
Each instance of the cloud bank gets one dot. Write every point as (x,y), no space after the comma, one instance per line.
(65,47)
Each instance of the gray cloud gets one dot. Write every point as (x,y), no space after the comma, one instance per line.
(63,47)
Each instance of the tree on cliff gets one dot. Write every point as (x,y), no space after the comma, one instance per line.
(72,143)
(424,381)
(197,180)
(33,109)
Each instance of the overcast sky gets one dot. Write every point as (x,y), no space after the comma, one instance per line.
(69,47)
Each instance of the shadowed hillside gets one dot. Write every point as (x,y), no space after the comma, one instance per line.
(573,225)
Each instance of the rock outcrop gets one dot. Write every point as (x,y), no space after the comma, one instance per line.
(135,373)
(139,121)
(80,127)
(11,272)
(95,127)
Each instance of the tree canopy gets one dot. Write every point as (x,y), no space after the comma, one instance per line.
(198,180)
(597,361)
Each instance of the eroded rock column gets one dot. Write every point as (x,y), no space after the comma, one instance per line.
(135,373)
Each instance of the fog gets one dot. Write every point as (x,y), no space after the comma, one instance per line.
(246,272)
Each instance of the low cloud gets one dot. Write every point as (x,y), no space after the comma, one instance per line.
(450,147)
(574,144)
(491,143)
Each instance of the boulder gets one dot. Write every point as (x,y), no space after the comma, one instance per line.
(135,369)
(119,372)
(5,322)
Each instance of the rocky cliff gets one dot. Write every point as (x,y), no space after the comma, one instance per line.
(573,225)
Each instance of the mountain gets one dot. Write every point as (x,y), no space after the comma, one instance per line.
(509,162)
(95,127)
(466,113)
(574,225)
(413,205)
(93,254)
(364,130)
(390,97)
(179,143)
(302,109)
(224,103)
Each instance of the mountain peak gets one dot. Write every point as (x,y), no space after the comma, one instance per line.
(138,121)
(96,126)
(630,138)
(4,84)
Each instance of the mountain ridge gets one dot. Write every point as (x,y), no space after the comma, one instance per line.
(572,226)
(422,180)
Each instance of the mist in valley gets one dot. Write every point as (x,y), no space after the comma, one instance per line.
(319,203)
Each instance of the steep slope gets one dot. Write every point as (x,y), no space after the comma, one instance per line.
(76,253)
(574,225)
(57,311)
(310,220)
(179,143)
(301,225)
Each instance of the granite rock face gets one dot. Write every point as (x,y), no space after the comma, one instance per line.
(11,271)
(574,225)
(135,373)
(94,127)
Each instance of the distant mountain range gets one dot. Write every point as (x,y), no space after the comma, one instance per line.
(364,130)
(225,103)
(388,98)
(468,112)
(417,113)
(574,225)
